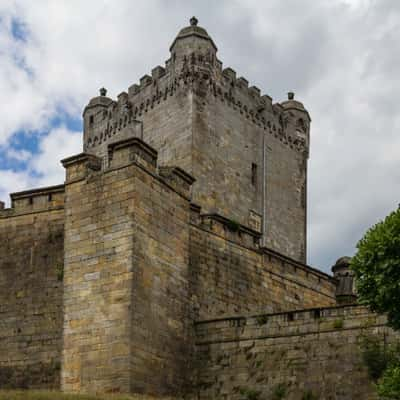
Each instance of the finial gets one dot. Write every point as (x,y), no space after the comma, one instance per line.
(103,91)
(194,21)
(290,96)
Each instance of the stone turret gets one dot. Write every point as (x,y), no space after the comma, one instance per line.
(98,127)
(192,44)
(296,116)
(95,112)
(345,291)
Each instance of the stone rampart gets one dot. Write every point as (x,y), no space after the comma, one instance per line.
(231,274)
(315,352)
(31,289)
(126,303)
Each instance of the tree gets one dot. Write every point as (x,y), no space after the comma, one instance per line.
(376,267)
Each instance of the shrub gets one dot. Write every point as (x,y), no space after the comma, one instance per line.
(279,391)
(309,395)
(250,394)
(389,384)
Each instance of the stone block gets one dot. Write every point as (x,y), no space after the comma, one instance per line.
(132,150)
(157,72)
(79,166)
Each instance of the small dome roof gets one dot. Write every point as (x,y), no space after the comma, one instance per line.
(341,263)
(193,30)
(292,103)
(101,100)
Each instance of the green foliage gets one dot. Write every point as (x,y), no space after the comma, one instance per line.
(249,394)
(376,266)
(60,272)
(279,392)
(375,356)
(262,319)
(378,356)
(338,324)
(309,395)
(389,385)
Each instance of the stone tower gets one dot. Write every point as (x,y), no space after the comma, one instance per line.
(247,154)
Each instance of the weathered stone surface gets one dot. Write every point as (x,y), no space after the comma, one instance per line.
(31,289)
(231,274)
(126,310)
(311,351)
(247,155)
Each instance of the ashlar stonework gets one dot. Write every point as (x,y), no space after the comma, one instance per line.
(172,261)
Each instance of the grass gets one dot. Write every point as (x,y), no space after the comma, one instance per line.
(45,395)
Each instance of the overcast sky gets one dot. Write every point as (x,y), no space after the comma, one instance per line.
(341,58)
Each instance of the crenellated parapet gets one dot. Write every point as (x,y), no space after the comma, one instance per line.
(194,66)
(122,154)
(34,201)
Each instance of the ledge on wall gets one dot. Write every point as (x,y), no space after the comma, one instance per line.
(33,200)
(298,264)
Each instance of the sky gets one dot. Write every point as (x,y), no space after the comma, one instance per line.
(341,58)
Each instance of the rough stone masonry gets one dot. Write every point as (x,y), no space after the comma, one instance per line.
(172,261)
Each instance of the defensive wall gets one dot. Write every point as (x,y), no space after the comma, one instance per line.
(232,274)
(103,277)
(304,354)
(31,289)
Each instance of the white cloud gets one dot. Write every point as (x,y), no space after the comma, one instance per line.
(340,57)
(18,155)
(44,167)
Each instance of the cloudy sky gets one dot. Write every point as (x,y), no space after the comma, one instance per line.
(342,58)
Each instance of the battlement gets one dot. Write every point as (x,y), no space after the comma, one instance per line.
(197,70)
(249,238)
(34,200)
(122,154)
(292,323)
(225,228)
(313,352)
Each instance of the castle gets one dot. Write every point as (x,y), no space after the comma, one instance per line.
(172,261)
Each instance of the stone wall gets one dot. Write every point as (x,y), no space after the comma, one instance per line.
(126,288)
(297,354)
(245,165)
(231,274)
(31,289)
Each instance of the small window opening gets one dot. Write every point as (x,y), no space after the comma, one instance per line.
(30,200)
(91,120)
(317,313)
(50,197)
(290,317)
(254,174)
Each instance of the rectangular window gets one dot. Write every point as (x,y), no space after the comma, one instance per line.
(254,174)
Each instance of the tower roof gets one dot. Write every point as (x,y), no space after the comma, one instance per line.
(193,30)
